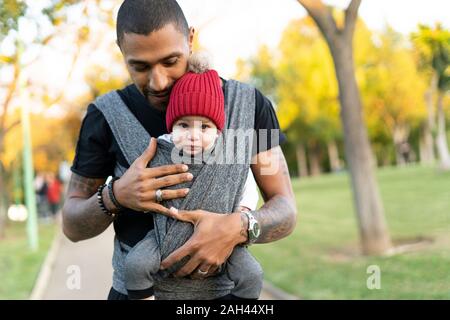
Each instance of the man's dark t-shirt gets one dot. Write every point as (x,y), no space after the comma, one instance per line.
(97,150)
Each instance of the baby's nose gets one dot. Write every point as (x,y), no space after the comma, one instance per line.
(194,134)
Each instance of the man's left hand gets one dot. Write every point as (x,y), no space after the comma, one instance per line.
(214,238)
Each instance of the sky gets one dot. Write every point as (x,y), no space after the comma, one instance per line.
(232,29)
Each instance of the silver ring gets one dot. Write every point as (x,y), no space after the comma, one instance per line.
(159,195)
(203,273)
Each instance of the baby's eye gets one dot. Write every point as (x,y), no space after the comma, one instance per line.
(183,125)
(205,126)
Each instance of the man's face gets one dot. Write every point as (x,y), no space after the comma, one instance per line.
(155,61)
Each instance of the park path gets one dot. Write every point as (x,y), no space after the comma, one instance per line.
(91,260)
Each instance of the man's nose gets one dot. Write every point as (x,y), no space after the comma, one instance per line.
(158,81)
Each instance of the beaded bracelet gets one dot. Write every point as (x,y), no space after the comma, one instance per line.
(101,203)
(111,193)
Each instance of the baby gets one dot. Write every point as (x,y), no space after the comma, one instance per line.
(195,119)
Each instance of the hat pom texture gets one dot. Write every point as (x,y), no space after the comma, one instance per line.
(199,62)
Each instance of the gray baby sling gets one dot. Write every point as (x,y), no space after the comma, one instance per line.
(217,187)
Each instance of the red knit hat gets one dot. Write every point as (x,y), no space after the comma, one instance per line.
(197,94)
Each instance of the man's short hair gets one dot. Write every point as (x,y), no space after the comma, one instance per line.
(145,16)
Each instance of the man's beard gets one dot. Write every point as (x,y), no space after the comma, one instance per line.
(156,101)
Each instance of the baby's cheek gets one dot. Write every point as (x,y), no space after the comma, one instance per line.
(208,140)
(177,137)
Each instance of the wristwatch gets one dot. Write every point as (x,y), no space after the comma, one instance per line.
(254,229)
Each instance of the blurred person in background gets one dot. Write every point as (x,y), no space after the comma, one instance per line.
(54,190)
(41,188)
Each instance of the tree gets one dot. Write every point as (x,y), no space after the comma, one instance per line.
(10,12)
(433,46)
(299,81)
(369,207)
(307,95)
(15,65)
(263,72)
(393,92)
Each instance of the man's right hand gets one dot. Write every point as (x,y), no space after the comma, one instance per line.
(136,189)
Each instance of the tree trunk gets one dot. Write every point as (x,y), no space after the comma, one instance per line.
(359,157)
(426,146)
(314,160)
(427,155)
(367,199)
(301,160)
(402,150)
(333,155)
(441,138)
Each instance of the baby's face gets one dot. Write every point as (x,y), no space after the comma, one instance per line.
(194,134)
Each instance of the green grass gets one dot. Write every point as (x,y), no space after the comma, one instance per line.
(321,259)
(19,266)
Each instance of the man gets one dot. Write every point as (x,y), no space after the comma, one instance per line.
(156,42)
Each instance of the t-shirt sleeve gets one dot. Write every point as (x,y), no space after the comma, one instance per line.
(267,128)
(250,195)
(93,158)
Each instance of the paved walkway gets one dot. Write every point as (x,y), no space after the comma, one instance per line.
(83,271)
(91,260)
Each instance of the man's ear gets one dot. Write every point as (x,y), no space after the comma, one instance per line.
(191,38)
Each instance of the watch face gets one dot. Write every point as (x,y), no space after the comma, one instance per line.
(256,230)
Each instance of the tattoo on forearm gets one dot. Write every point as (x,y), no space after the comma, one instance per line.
(84,185)
(275,218)
(83,217)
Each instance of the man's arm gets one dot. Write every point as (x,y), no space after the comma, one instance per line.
(82,216)
(216,235)
(277,217)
